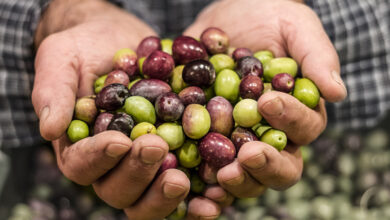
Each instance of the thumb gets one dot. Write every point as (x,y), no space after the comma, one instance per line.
(55,87)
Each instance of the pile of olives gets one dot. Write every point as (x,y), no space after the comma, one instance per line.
(200,96)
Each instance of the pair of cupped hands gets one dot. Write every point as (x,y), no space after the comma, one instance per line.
(75,49)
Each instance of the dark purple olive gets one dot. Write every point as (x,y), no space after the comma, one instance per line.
(207,173)
(126,59)
(241,52)
(112,97)
(169,107)
(192,95)
(158,65)
(242,135)
(249,66)
(251,87)
(217,150)
(170,162)
(186,49)
(199,73)
(121,122)
(215,40)
(149,89)
(102,122)
(117,76)
(283,82)
(148,45)
(221,114)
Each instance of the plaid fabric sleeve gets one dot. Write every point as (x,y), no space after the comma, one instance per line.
(360,31)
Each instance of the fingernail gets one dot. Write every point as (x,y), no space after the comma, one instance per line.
(337,78)
(116,150)
(235,181)
(222,198)
(172,191)
(273,107)
(44,113)
(256,162)
(151,155)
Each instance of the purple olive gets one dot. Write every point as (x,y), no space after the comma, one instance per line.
(199,73)
(186,49)
(283,82)
(170,162)
(221,114)
(112,97)
(207,173)
(249,66)
(121,122)
(102,122)
(85,109)
(192,95)
(241,52)
(158,65)
(117,76)
(217,150)
(215,40)
(126,60)
(149,88)
(169,107)
(148,45)
(251,87)
(242,135)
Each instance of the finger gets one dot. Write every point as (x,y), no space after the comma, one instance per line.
(274,169)
(301,124)
(202,208)
(122,186)
(236,180)
(308,43)
(90,158)
(218,195)
(161,199)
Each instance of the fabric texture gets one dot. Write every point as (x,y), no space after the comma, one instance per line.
(359,29)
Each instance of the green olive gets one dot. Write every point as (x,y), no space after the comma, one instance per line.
(261,130)
(141,61)
(140,109)
(133,82)
(306,92)
(188,154)
(177,82)
(280,65)
(227,85)
(197,185)
(166,45)
(196,121)
(77,130)
(245,113)
(186,171)
(172,133)
(209,93)
(275,138)
(99,83)
(264,56)
(141,129)
(221,61)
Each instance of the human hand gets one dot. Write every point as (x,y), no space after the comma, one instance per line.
(75,49)
(285,28)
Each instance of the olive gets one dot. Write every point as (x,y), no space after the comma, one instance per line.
(209,93)
(249,66)
(133,82)
(267,87)
(141,129)
(280,65)
(99,83)
(186,49)
(148,45)
(140,109)
(251,87)
(215,40)
(112,97)
(166,45)
(121,122)
(126,60)
(188,154)
(199,73)
(283,82)
(169,162)
(158,65)
(196,121)
(177,83)
(245,113)
(85,109)
(172,133)
(241,136)
(208,173)
(227,85)
(140,62)
(179,213)
(241,52)
(169,106)
(221,114)
(306,92)
(149,89)
(197,185)
(77,130)
(222,61)
(192,95)
(117,76)
(275,138)
(102,122)
(264,56)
